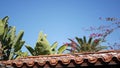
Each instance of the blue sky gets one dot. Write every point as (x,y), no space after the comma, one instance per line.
(59,19)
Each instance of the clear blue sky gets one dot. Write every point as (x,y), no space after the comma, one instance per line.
(59,19)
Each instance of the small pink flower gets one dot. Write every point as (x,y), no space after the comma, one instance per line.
(96,40)
(93,35)
(100,35)
(66,44)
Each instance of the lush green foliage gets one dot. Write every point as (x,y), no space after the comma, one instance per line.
(82,45)
(11,43)
(43,47)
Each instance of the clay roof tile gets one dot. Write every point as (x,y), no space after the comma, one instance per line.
(73,59)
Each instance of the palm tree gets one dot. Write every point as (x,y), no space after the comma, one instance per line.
(43,47)
(82,45)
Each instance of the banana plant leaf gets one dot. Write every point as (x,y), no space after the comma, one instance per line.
(62,49)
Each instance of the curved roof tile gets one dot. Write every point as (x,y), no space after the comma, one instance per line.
(67,59)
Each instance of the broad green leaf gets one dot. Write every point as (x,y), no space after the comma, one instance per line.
(13,30)
(62,49)
(19,46)
(5,19)
(18,38)
(30,49)
(54,45)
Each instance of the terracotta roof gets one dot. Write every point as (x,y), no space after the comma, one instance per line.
(69,60)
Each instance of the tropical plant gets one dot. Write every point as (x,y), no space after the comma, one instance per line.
(11,43)
(82,45)
(43,47)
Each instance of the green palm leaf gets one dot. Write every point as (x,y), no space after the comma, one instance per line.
(77,46)
(90,40)
(79,40)
(84,39)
